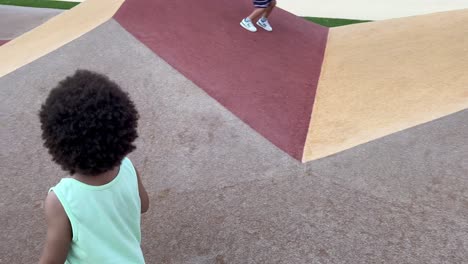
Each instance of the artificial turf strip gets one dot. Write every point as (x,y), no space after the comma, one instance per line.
(40,3)
(334,22)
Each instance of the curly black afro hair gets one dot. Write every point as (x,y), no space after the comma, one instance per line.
(88,123)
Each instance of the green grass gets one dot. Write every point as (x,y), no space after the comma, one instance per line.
(40,3)
(334,22)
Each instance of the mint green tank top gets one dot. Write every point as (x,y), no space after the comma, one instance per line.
(105,219)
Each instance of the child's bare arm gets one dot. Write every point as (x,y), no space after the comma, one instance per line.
(59,232)
(143,194)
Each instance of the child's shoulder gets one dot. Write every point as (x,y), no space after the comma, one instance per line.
(128,164)
(63,181)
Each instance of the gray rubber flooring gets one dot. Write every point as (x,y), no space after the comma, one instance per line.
(16,20)
(221,193)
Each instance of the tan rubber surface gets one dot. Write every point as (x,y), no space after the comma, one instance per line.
(55,33)
(382,77)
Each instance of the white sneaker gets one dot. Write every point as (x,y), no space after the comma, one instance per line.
(264,24)
(247,24)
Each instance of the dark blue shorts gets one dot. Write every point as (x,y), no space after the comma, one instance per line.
(262,3)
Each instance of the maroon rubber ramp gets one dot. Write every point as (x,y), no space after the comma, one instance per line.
(268,79)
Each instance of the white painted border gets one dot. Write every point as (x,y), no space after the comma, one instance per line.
(369,9)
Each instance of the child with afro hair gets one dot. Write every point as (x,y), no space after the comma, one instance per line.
(89,126)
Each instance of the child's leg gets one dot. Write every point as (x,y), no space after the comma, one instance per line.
(269,9)
(263,21)
(258,12)
(261,7)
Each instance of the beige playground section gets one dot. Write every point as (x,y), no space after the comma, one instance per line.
(55,33)
(382,77)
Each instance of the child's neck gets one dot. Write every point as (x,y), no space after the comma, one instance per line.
(100,179)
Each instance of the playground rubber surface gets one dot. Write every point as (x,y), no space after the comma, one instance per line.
(18,20)
(221,190)
(236,70)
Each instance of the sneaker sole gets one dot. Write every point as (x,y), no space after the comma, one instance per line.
(269,30)
(246,28)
